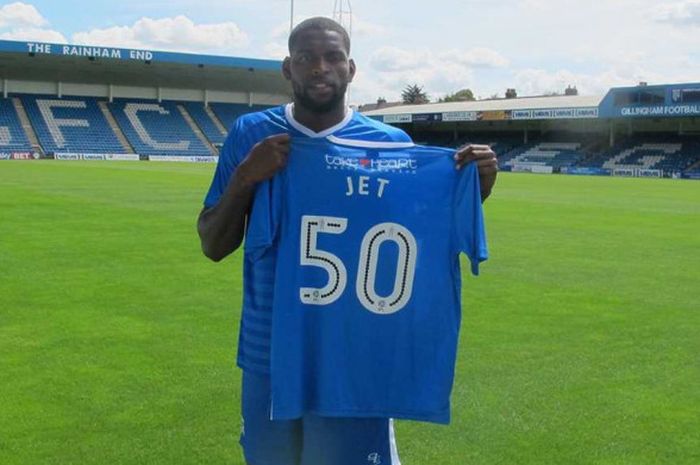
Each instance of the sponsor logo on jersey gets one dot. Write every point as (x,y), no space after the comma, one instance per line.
(398,165)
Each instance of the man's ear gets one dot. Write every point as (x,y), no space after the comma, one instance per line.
(286,72)
(352,69)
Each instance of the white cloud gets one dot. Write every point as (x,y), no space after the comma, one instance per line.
(20,15)
(395,59)
(22,21)
(393,68)
(362,28)
(177,33)
(479,57)
(34,34)
(276,48)
(274,51)
(685,13)
(534,81)
(539,81)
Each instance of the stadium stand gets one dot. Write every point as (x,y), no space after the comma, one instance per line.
(693,170)
(501,144)
(154,128)
(554,154)
(214,132)
(12,136)
(645,156)
(228,113)
(70,124)
(669,154)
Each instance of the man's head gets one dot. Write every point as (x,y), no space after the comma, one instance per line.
(318,65)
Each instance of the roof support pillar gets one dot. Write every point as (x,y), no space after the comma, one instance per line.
(250,99)
(206,98)
(59,89)
(4,88)
(110,92)
(160,94)
(612,132)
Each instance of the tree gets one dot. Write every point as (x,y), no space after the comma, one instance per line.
(464,95)
(414,94)
(571,90)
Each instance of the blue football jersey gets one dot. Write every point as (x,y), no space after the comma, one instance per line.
(258,275)
(366,300)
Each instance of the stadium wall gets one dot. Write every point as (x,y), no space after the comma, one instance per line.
(136,92)
(187,95)
(133,92)
(85,90)
(31,87)
(243,97)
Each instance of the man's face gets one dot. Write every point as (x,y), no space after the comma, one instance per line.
(319,69)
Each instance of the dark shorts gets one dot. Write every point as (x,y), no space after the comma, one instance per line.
(311,440)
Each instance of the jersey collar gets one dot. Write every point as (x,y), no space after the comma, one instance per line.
(289,114)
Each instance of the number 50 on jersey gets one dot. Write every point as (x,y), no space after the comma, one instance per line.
(311,255)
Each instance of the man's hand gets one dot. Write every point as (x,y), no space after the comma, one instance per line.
(221,227)
(486,162)
(265,159)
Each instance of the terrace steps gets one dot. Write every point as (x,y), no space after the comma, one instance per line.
(115,127)
(27,126)
(197,131)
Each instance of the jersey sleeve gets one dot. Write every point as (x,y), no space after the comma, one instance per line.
(468,221)
(229,158)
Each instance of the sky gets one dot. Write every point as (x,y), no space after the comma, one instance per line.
(534,46)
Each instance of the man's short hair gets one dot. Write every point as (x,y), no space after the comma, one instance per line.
(320,23)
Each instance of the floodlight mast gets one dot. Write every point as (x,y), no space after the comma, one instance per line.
(342,13)
(291,16)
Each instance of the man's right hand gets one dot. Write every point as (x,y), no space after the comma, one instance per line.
(265,159)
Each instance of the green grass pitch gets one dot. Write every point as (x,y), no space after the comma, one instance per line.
(580,340)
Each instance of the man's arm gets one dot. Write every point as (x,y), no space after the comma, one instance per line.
(222,226)
(486,162)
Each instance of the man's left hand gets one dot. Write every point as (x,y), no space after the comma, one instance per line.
(486,162)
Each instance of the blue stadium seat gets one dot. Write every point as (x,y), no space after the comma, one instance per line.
(228,113)
(156,128)
(12,136)
(70,124)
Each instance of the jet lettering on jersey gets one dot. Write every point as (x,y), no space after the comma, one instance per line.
(363,186)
